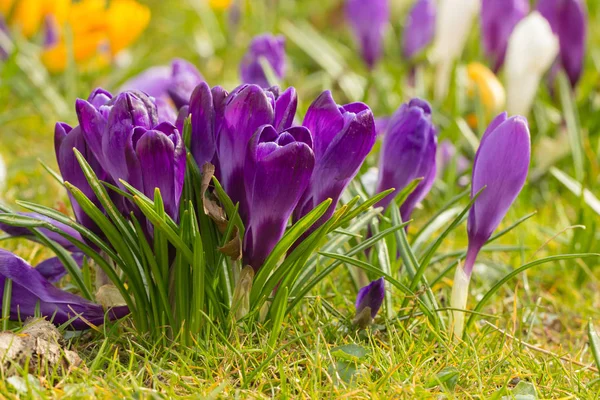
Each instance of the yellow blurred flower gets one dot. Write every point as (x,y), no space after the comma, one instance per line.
(485,85)
(126,20)
(100,29)
(220,4)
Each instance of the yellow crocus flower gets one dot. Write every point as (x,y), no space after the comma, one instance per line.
(100,28)
(483,83)
(220,4)
(126,20)
(5,6)
(28,15)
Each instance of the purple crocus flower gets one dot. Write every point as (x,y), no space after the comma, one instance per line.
(368,20)
(272,50)
(498,19)
(408,152)
(277,171)
(31,290)
(568,19)
(342,137)
(501,165)
(128,141)
(171,86)
(419,29)
(369,301)
(66,139)
(237,116)
(500,168)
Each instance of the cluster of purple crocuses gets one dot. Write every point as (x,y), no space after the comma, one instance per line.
(276,169)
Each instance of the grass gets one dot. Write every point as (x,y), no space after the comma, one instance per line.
(547,307)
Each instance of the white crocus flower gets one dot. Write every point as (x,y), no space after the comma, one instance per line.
(453,25)
(532,48)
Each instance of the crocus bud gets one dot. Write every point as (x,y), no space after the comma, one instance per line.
(568,20)
(500,169)
(419,29)
(498,19)
(368,302)
(32,293)
(269,48)
(532,48)
(277,171)
(408,152)
(368,20)
(485,85)
(453,25)
(342,137)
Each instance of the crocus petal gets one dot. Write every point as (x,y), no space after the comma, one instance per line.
(93,125)
(498,19)
(203,143)
(277,172)
(324,120)
(285,109)
(272,49)
(532,48)
(371,296)
(453,25)
(368,19)
(247,110)
(420,27)
(568,20)
(408,152)
(31,290)
(501,166)
(130,110)
(161,153)
(53,269)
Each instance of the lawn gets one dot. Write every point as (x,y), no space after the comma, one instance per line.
(532,335)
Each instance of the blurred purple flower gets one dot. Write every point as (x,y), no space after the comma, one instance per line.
(371,296)
(568,19)
(419,29)
(31,291)
(446,155)
(408,152)
(368,20)
(498,19)
(171,86)
(272,50)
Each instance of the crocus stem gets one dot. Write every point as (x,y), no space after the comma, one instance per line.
(460,292)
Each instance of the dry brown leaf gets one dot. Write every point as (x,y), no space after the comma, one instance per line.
(40,344)
(233,248)
(211,208)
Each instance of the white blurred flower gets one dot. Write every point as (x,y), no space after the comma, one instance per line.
(532,48)
(453,25)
